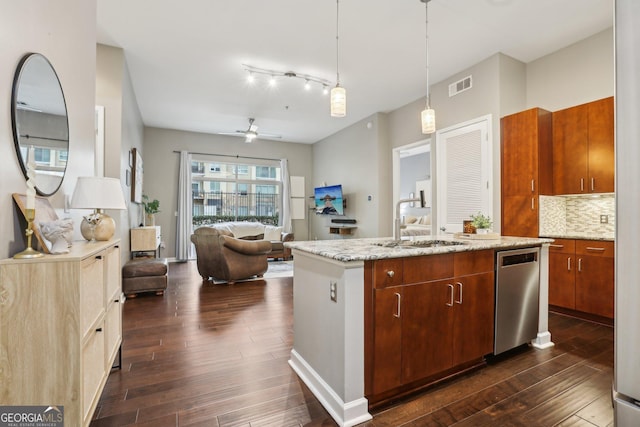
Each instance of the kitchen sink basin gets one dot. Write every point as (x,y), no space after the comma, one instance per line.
(412,244)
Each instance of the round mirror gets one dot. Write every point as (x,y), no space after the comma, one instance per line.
(39,120)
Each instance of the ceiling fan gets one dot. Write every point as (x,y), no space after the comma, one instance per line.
(251,133)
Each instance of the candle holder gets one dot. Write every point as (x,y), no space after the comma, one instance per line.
(29,252)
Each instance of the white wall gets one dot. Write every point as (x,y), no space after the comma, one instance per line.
(161,166)
(65,32)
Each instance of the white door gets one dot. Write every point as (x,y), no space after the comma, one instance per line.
(463,170)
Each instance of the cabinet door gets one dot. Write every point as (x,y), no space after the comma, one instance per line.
(520,216)
(595,285)
(562,280)
(570,150)
(601,154)
(519,152)
(387,339)
(427,318)
(474,317)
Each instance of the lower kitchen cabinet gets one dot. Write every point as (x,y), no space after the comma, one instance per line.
(581,276)
(423,329)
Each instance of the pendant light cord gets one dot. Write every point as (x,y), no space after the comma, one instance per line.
(426,26)
(337,43)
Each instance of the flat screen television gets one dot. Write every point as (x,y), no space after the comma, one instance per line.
(329,200)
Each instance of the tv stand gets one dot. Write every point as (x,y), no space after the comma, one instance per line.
(341,229)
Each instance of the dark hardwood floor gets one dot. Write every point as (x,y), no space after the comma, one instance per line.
(216,355)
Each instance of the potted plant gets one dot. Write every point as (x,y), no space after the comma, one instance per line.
(481,222)
(150,209)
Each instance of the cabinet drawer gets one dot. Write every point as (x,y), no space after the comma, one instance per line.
(473,262)
(113,321)
(112,273)
(387,272)
(595,248)
(91,292)
(92,370)
(565,246)
(427,268)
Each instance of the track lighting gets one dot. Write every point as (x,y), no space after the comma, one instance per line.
(309,79)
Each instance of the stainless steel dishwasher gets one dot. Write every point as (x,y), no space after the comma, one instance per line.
(517,296)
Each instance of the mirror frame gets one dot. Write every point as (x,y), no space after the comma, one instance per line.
(14,118)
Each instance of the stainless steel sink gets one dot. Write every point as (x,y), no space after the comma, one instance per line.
(410,244)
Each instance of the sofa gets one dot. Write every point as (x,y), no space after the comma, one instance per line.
(257,231)
(222,257)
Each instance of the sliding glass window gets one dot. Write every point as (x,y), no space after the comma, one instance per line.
(224,191)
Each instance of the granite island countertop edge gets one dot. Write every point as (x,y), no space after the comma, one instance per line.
(365,249)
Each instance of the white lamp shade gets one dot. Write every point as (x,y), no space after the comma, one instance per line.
(428,121)
(94,192)
(338,102)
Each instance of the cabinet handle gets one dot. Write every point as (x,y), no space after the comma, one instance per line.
(116,246)
(569,264)
(99,330)
(398,306)
(556,246)
(98,256)
(580,264)
(533,206)
(116,300)
(595,249)
(460,293)
(450,303)
(391,273)
(581,184)
(533,187)
(593,184)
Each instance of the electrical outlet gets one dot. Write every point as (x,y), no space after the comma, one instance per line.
(333,291)
(604,219)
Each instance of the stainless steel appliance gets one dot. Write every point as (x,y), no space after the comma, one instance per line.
(517,295)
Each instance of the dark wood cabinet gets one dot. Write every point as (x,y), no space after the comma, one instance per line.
(581,276)
(439,318)
(526,161)
(583,155)
(595,277)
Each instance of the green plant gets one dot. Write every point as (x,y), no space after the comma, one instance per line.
(152,207)
(481,221)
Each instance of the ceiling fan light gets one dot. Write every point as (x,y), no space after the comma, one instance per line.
(250,136)
(338,102)
(428,120)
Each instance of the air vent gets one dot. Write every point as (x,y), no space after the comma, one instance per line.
(460,86)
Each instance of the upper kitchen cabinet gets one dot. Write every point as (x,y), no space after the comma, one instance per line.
(583,157)
(525,168)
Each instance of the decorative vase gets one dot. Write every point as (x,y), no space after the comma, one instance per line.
(150,220)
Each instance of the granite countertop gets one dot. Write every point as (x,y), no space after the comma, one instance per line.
(582,236)
(347,250)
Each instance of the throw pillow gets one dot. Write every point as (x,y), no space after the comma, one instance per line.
(272,233)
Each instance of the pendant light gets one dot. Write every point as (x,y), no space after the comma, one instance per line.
(338,93)
(428,115)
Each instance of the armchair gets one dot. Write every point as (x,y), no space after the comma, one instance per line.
(223,257)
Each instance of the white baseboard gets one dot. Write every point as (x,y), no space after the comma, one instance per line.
(345,414)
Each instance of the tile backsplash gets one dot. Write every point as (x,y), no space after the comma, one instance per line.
(568,215)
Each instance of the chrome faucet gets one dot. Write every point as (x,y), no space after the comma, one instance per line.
(398,222)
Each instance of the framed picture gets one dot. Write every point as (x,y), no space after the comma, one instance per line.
(136,179)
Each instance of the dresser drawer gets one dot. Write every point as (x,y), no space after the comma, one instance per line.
(91,291)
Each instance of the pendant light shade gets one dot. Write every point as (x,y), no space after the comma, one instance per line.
(338,102)
(338,93)
(428,116)
(428,120)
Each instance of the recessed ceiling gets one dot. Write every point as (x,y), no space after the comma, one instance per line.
(185,58)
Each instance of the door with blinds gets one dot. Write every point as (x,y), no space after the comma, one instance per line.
(464,173)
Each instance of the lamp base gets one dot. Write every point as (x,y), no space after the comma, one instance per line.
(103,230)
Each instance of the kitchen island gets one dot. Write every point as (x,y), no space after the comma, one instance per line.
(335,288)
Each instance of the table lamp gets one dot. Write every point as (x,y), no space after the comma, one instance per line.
(98,193)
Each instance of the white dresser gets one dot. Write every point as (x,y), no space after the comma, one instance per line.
(60,328)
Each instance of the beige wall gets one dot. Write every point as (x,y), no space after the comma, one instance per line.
(65,32)
(161,169)
(123,131)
